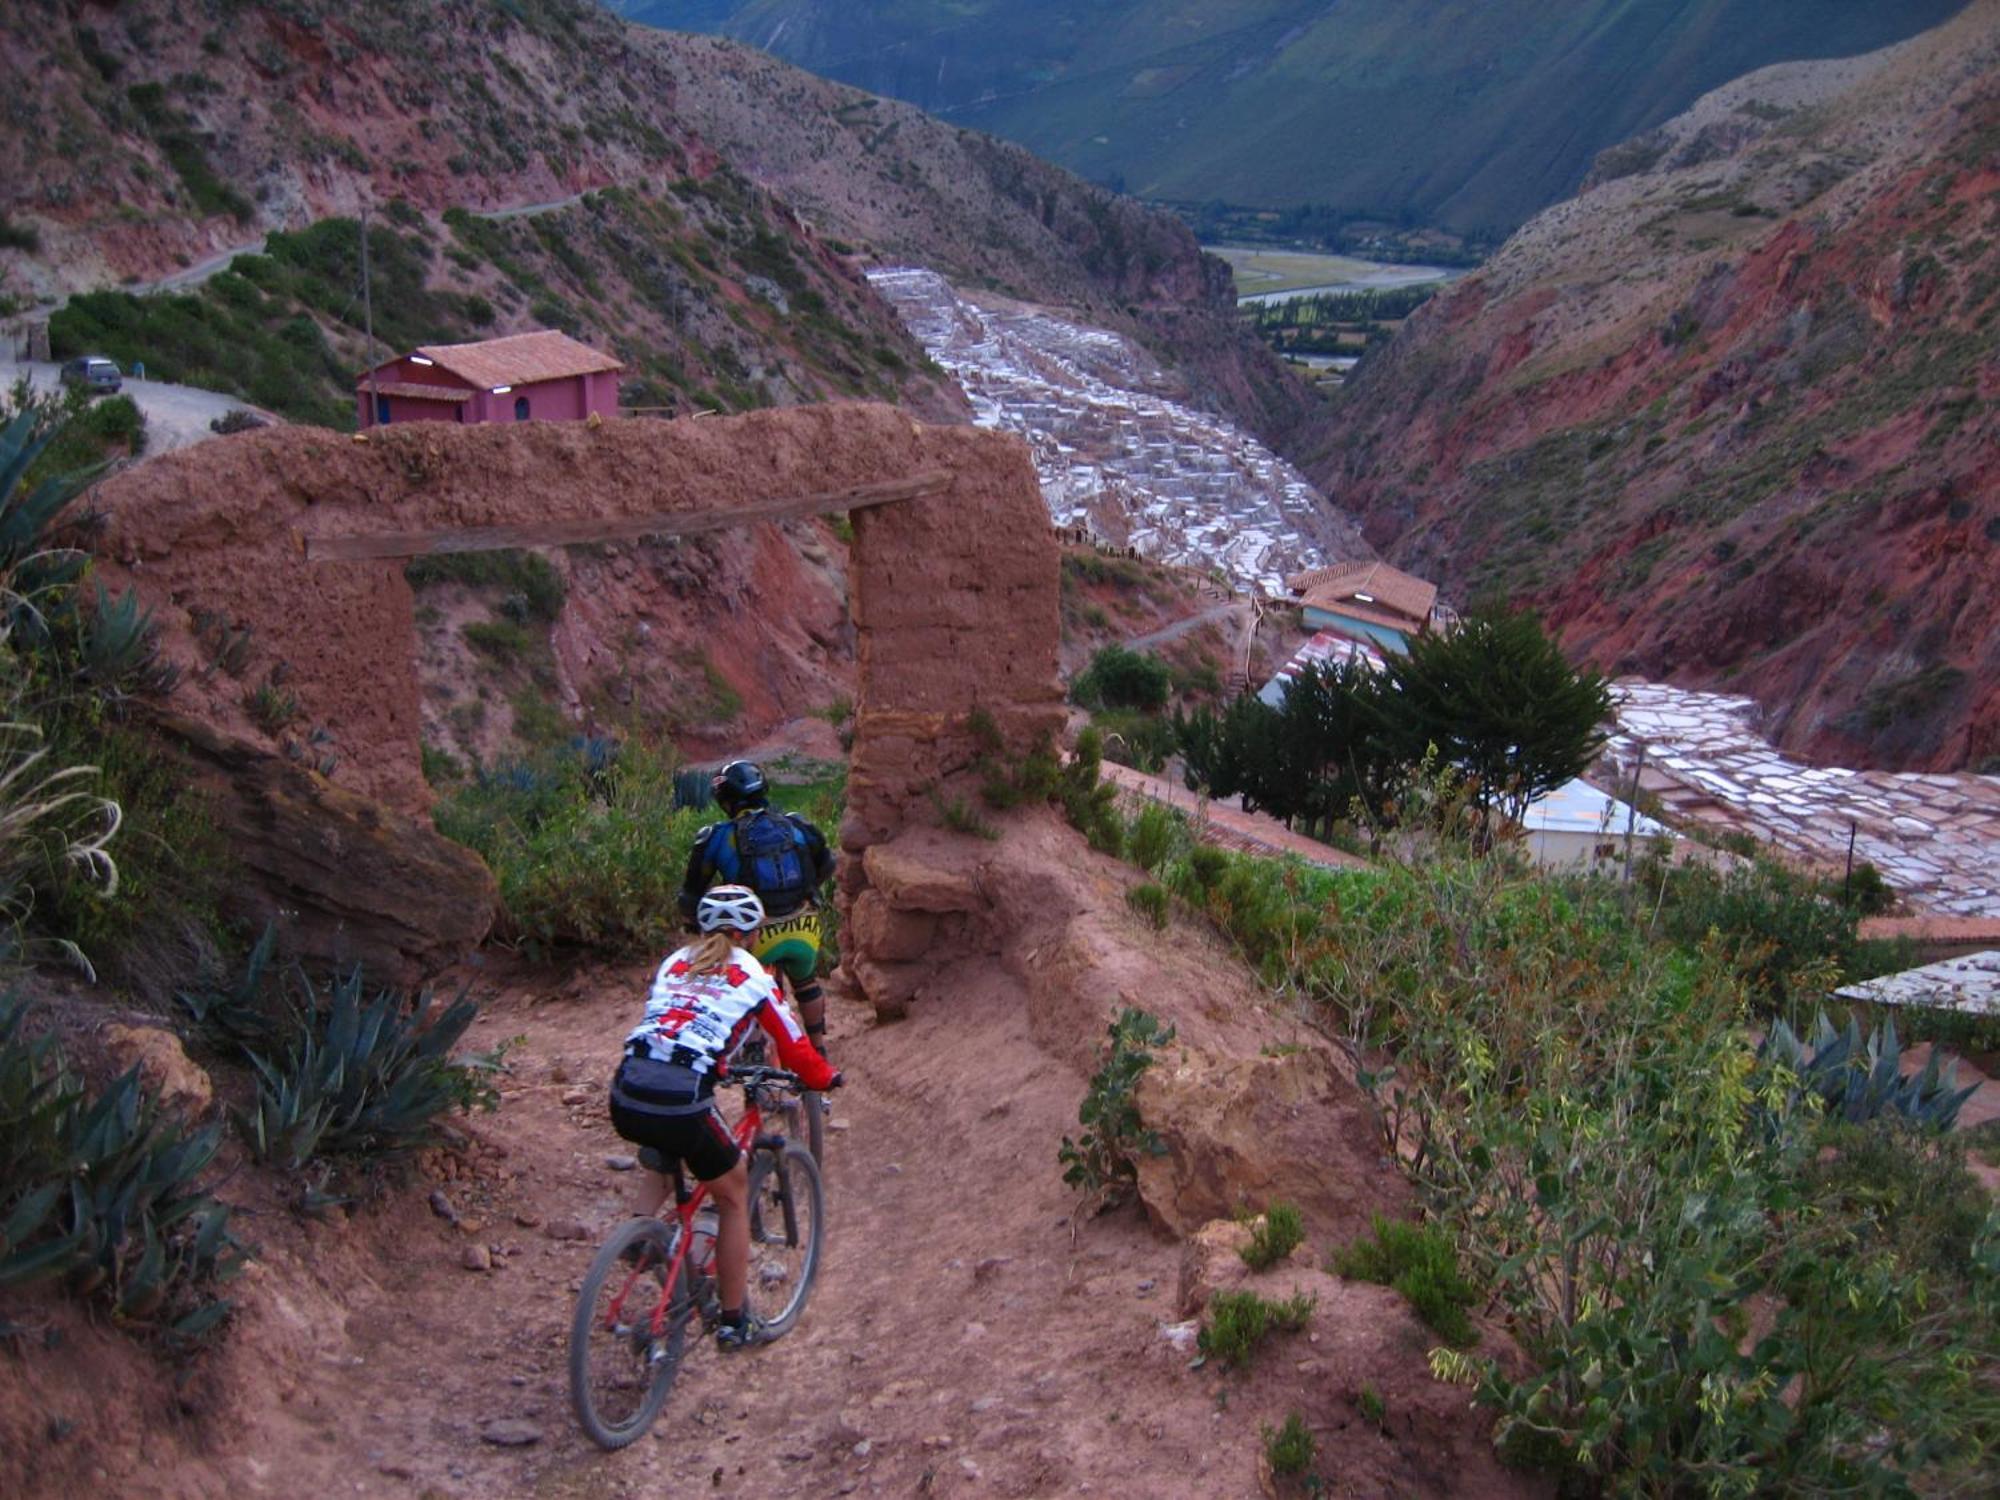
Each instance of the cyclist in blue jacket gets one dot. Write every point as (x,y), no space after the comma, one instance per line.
(785,860)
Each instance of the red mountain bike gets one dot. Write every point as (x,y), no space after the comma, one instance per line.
(653,1278)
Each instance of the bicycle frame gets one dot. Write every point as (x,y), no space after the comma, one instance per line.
(749,1137)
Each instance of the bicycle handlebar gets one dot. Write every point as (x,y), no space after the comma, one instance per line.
(757,1075)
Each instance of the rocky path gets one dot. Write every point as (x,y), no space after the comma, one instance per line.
(966,1336)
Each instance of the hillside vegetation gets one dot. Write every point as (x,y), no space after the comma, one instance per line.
(663,178)
(1467,115)
(1726,417)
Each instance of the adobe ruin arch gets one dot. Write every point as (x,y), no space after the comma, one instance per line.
(300,533)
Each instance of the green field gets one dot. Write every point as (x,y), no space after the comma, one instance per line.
(1263,272)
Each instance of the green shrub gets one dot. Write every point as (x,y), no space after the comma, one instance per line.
(526,575)
(1104,1162)
(1779,928)
(1151,902)
(1290,1448)
(106,1194)
(1155,835)
(1368,1401)
(1238,1322)
(1275,1234)
(501,640)
(588,849)
(1418,1261)
(1119,678)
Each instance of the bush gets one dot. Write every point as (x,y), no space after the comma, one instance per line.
(1238,1322)
(1290,1448)
(1151,902)
(1105,1161)
(1118,678)
(526,575)
(1418,1261)
(106,1194)
(586,856)
(1777,927)
(1275,1234)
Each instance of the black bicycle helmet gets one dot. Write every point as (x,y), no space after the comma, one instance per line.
(740,784)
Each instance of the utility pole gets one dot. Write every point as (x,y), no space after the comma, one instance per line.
(368,324)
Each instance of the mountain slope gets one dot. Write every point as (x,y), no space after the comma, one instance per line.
(1467,114)
(1728,417)
(907,187)
(190,130)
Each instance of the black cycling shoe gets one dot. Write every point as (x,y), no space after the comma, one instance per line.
(730,1337)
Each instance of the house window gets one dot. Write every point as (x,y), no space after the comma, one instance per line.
(520,408)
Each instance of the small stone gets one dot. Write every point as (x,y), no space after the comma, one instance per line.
(1147,1285)
(528,1220)
(863,1448)
(517,1380)
(1307,1367)
(975,1330)
(442,1206)
(395,1470)
(575,1096)
(511,1432)
(836,1125)
(621,1163)
(566,1229)
(559,1071)
(986,1403)
(970,1469)
(795,1453)
(476,1258)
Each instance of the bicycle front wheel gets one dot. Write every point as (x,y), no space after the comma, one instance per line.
(620,1371)
(787,1224)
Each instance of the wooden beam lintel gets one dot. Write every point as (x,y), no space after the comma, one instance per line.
(586,529)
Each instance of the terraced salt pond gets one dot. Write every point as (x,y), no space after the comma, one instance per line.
(1117,443)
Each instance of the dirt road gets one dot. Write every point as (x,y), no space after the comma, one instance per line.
(966,1337)
(176,415)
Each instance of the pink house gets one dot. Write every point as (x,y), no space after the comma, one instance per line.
(544,377)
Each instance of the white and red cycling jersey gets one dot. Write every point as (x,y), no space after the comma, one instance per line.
(697,1021)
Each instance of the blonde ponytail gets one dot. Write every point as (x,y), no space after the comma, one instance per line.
(711,952)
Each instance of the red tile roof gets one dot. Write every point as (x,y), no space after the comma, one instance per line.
(519,359)
(1395,598)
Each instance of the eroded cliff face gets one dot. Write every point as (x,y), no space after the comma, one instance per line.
(1728,418)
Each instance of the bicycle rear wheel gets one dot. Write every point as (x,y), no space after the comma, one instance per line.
(787,1225)
(619,1373)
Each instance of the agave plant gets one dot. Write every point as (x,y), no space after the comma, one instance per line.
(106,1193)
(362,1077)
(1858,1076)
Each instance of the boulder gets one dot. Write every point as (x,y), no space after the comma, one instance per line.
(1239,1132)
(909,884)
(348,879)
(163,1067)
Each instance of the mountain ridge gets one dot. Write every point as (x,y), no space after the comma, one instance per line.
(1727,417)
(1436,116)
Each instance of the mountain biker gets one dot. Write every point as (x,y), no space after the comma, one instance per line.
(704,1001)
(785,860)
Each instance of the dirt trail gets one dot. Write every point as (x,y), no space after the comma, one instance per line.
(962,1339)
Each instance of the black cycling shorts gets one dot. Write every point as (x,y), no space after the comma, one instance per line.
(651,1108)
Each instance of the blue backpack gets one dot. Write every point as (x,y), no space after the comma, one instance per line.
(767,853)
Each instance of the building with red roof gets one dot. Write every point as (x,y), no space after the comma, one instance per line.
(544,377)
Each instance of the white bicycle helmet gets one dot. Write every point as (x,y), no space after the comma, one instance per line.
(731,907)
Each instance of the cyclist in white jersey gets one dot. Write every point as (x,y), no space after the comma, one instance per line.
(704,1001)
